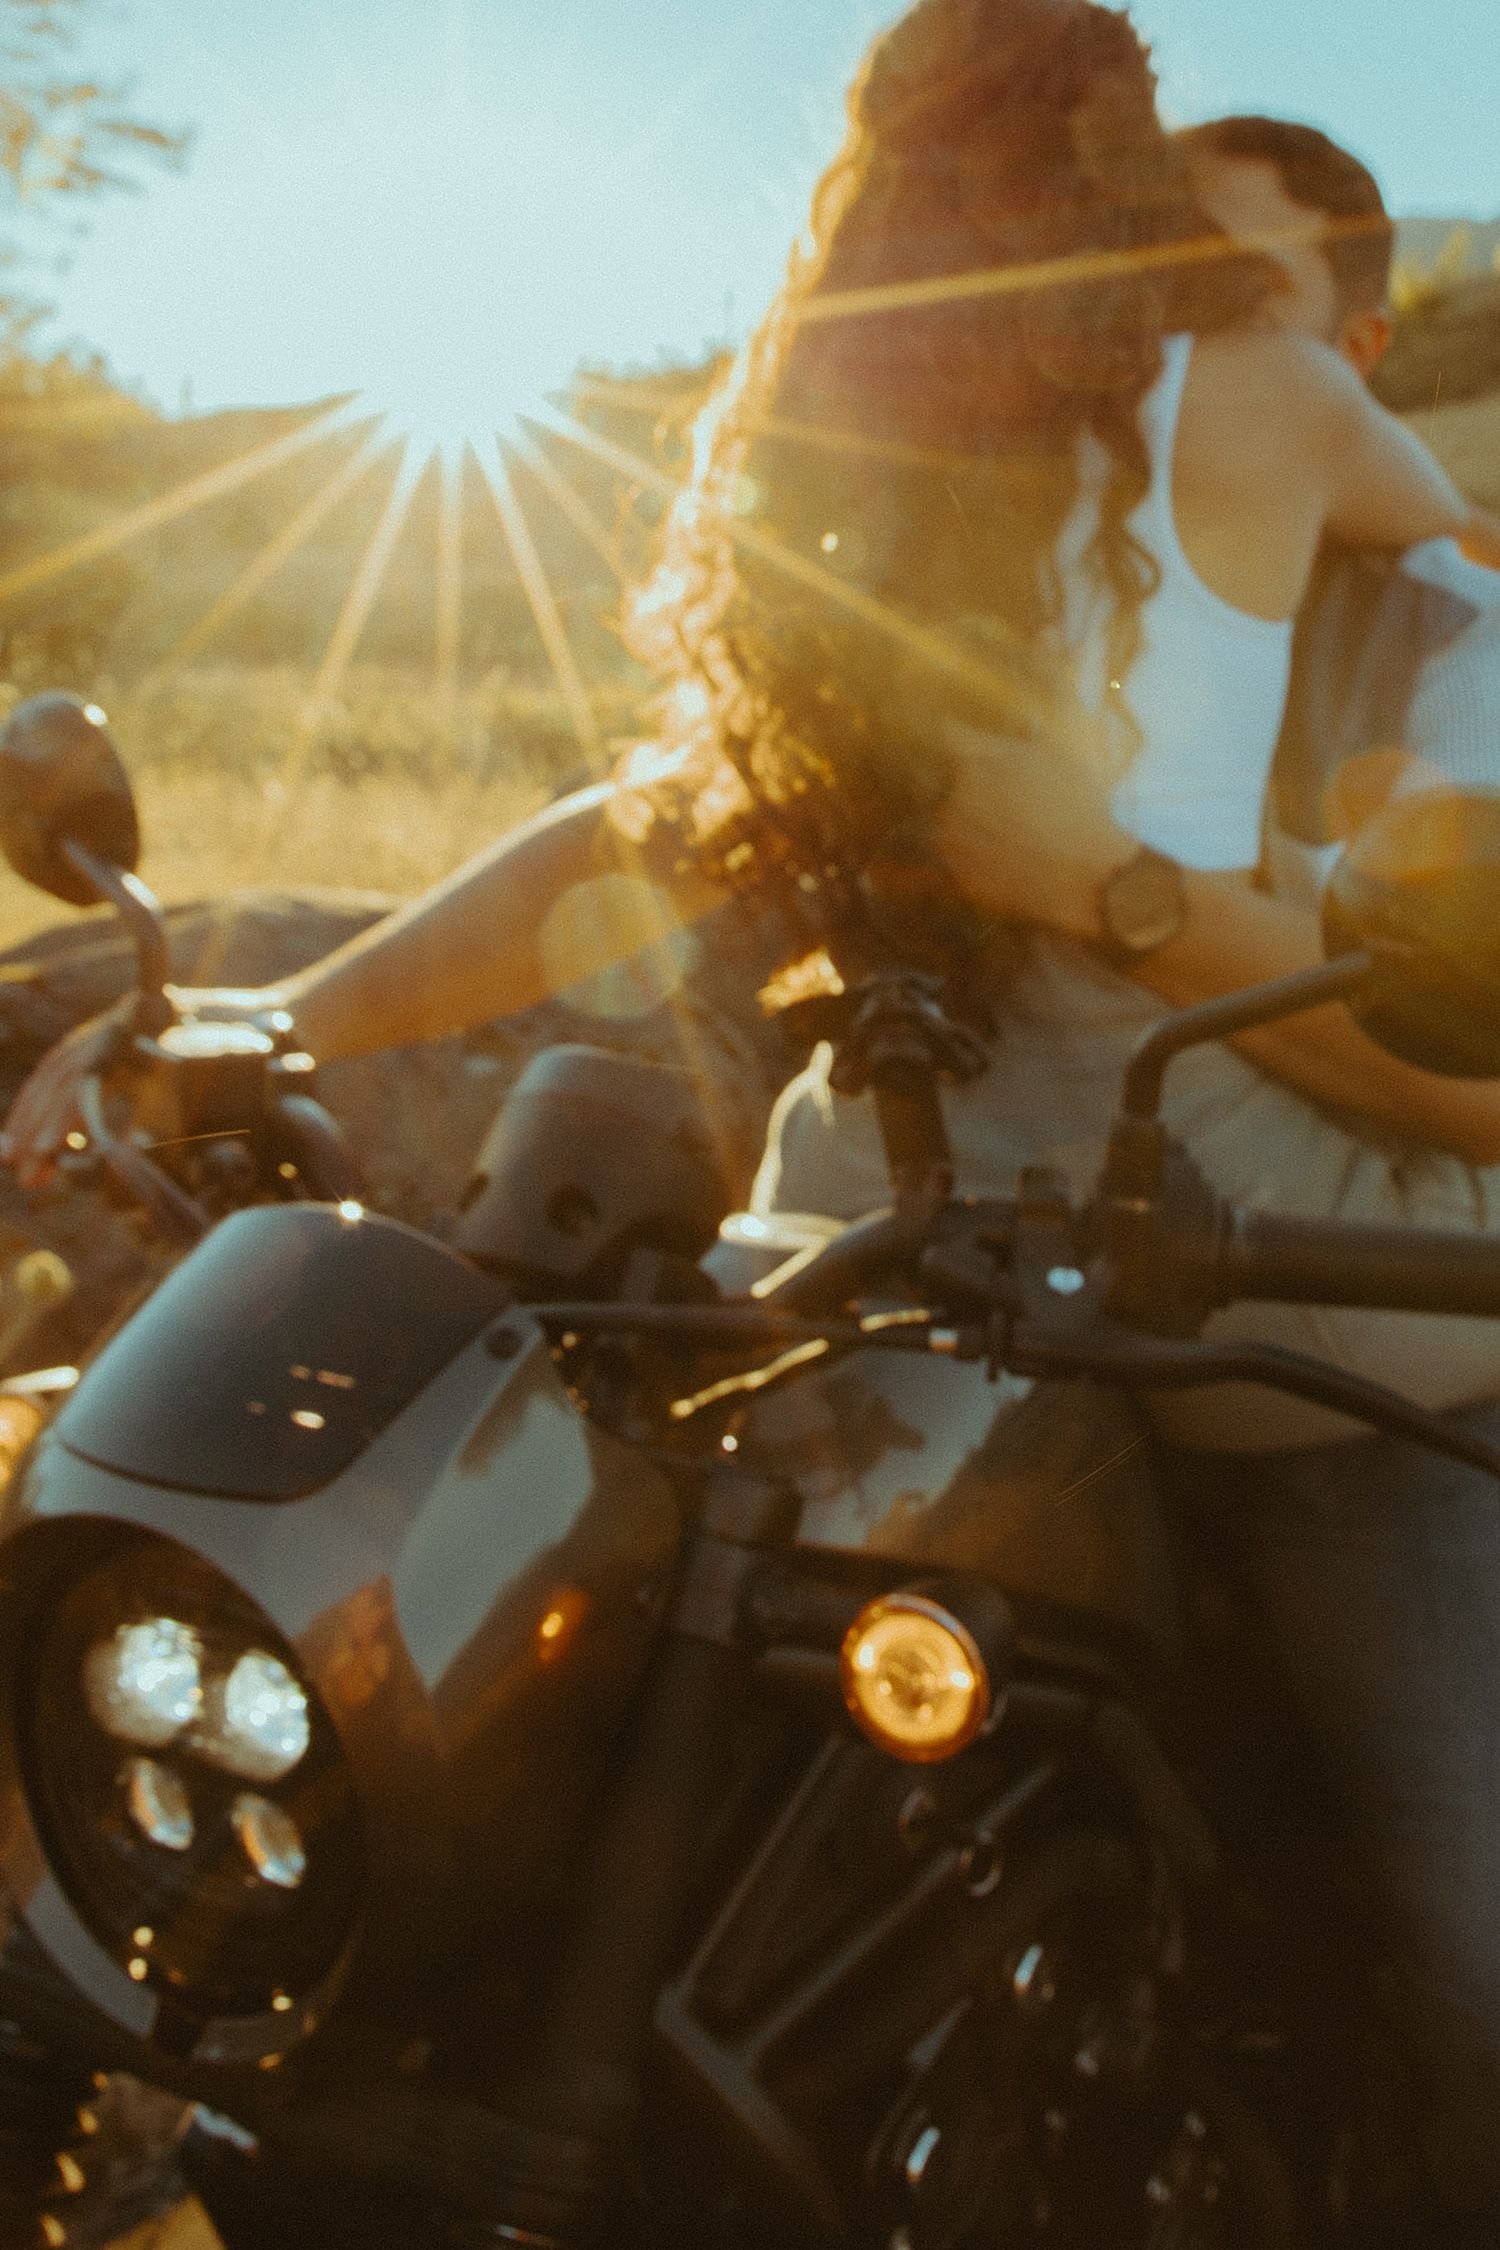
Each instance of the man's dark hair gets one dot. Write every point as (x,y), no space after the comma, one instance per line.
(1315,172)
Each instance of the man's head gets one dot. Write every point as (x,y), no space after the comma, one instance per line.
(1323,215)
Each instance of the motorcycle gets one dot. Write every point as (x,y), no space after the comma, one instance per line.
(621,1726)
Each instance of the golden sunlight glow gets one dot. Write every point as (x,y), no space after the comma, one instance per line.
(292,536)
(1012,702)
(544,609)
(214,484)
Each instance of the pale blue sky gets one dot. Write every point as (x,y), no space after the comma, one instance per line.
(452,201)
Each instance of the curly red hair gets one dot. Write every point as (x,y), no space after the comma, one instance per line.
(880,484)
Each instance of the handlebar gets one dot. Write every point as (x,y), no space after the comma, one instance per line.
(1264,1256)
(1036,1299)
(324,1157)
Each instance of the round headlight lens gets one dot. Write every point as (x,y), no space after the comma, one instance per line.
(229,1826)
(145,1684)
(255,1722)
(914,1678)
(270,1840)
(157,1803)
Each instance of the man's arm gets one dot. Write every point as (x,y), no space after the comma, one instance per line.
(1383,486)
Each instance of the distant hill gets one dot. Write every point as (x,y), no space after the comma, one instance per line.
(1420,242)
(1466,439)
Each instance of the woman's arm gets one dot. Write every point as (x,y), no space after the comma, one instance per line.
(1383,488)
(553,902)
(1030,838)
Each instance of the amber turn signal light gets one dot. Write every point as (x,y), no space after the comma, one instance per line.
(20,1420)
(915,1678)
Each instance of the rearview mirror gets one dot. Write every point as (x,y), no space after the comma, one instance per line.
(61,782)
(1419,887)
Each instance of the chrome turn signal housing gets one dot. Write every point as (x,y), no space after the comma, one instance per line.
(915,1678)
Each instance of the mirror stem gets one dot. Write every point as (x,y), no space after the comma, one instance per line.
(140,911)
(1238,1011)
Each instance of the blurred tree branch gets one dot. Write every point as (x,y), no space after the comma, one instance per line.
(64,136)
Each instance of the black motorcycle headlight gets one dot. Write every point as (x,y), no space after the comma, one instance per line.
(190,1790)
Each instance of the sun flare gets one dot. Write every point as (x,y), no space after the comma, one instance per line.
(463,273)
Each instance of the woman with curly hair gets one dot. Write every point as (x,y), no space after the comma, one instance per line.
(996,530)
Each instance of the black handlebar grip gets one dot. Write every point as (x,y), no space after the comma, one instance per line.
(1262,1255)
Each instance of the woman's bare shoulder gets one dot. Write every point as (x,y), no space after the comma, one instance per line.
(1278,422)
(1265,365)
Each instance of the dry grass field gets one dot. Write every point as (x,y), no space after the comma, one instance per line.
(388,790)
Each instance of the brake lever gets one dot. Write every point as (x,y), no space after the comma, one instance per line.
(1037,1349)
(146,1181)
(1062,1320)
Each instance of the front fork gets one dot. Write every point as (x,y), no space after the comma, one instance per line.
(582,2081)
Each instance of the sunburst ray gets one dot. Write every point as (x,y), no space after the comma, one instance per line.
(1052,273)
(449,588)
(364,587)
(197,492)
(354,612)
(544,609)
(1010,699)
(278,550)
(561,493)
